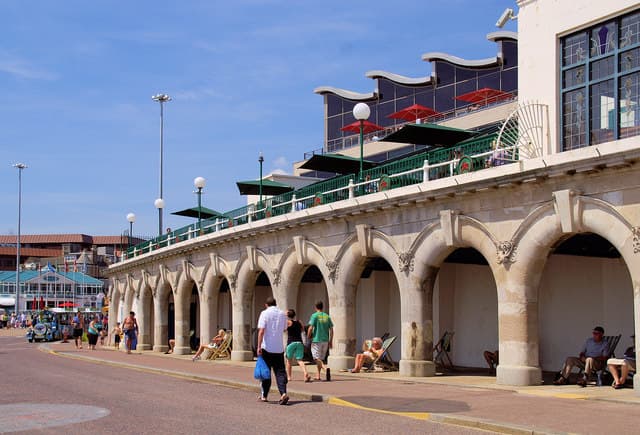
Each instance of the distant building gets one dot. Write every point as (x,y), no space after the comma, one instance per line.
(67,252)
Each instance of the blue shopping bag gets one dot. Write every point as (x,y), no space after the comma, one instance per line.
(261,372)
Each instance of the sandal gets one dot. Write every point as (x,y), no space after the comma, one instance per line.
(618,386)
(284,399)
(307,378)
(560,381)
(262,399)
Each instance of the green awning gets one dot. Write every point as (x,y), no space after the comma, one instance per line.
(336,163)
(206,213)
(429,134)
(269,187)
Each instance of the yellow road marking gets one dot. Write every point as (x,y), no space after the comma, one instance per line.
(415,415)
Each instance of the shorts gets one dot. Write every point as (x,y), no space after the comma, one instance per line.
(130,334)
(319,350)
(77,332)
(93,339)
(295,351)
(117,338)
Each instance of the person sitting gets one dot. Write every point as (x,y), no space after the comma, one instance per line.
(626,364)
(214,344)
(369,354)
(592,357)
(172,344)
(492,359)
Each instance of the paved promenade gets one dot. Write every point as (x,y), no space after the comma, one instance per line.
(473,401)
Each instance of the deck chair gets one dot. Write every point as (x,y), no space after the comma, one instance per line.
(222,351)
(383,362)
(442,349)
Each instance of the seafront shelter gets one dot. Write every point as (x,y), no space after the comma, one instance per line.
(520,236)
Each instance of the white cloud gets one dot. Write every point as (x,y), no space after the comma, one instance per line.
(279,172)
(280,162)
(22,69)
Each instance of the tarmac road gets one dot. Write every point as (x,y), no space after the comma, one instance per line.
(45,393)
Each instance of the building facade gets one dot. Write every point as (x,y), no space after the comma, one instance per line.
(525,257)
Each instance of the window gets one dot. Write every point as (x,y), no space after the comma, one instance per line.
(600,83)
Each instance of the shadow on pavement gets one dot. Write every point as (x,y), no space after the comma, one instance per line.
(401,404)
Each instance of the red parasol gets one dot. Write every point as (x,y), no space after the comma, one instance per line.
(367,127)
(41,302)
(34,304)
(484,96)
(67,304)
(414,112)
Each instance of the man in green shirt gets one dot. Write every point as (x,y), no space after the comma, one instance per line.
(321,335)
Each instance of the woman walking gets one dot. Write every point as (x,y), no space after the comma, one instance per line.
(295,347)
(93,332)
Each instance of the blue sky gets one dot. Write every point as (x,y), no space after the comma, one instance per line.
(77,78)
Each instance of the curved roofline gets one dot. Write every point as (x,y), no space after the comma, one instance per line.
(350,95)
(397,78)
(490,61)
(502,34)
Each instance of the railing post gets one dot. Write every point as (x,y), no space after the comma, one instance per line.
(351,188)
(217,224)
(425,171)
(250,210)
(293,202)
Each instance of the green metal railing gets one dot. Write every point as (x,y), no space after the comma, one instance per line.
(404,172)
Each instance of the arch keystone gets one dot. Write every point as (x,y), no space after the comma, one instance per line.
(363,233)
(449,224)
(563,205)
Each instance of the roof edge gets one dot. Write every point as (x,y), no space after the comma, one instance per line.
(490,61)
(350,95)
(397,78)
(502,34)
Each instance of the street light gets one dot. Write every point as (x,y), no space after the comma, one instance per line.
(161,98)
(131,217)
(361,112)
(199,182)
(159,204)
(261,160)
(20,167)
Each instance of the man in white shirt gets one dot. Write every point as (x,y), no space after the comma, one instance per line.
(271,325)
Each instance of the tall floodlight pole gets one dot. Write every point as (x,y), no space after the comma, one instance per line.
(361,112)
(161,98)
(20,167)
(260,160)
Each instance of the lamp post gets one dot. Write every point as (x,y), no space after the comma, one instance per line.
(131,217)
(20,167)
(361,112)
(159,204)
(161,98)
(199,182)
(260,160)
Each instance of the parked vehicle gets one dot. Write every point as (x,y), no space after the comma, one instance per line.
(45,327)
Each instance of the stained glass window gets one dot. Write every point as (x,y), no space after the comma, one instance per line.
(600,88)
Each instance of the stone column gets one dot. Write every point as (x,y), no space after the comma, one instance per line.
(208,316)
(342,309)
(518,328)
(182,324)
(636,314)
(416,308)
(241,301)
(144,317)
(161,324)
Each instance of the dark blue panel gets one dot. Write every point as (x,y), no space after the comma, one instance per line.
(444,71)
(334,104)
(465,87)
(403,91)
(510,80)
(384,110)
(444,98)
(464,74)
(489,81)
(509,53)
(334,124)
(386,89)
(347,107)
(424,96)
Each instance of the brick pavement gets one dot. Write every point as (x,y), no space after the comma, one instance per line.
(474,401)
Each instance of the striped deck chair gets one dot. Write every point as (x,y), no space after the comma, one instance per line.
(222,351)
(384,362)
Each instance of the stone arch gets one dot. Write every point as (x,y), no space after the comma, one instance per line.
(145,317)
(568,214)
(161,295)
(293,264)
